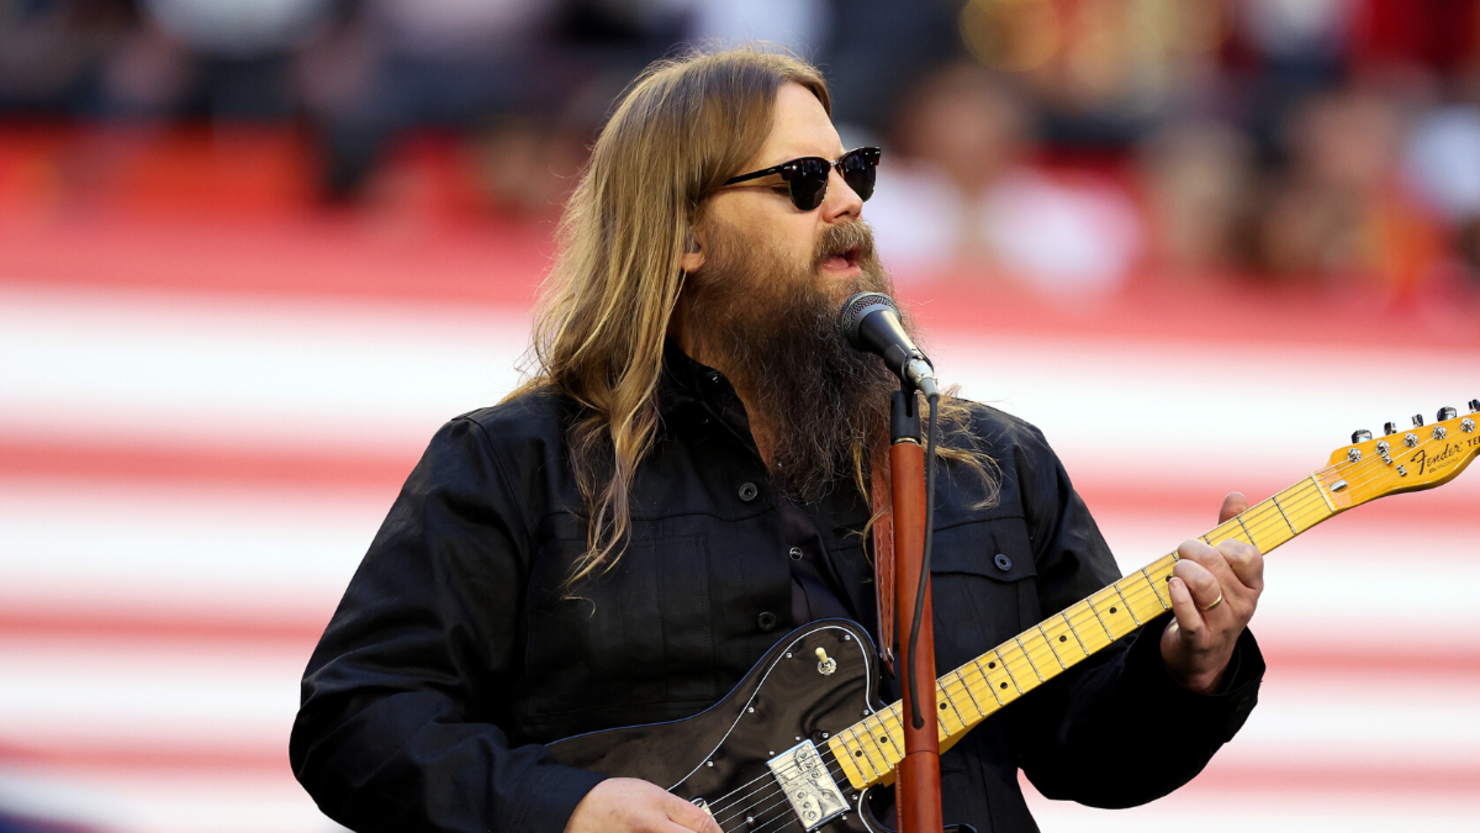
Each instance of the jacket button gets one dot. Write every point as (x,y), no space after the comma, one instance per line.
(795,553)
(1003,562)
(748,491)
(767,620)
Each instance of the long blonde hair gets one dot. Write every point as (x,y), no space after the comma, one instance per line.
(681,129)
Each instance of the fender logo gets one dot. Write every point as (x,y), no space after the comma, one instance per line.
(1437,461)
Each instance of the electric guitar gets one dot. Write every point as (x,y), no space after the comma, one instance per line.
(800,742)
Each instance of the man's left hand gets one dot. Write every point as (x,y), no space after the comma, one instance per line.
(1214,592)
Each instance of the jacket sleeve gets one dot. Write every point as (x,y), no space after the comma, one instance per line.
(405,700)
(1117,730)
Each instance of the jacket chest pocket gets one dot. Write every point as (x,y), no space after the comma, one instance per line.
(640,634)
(983,583)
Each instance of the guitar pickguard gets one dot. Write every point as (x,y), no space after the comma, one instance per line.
(723,758)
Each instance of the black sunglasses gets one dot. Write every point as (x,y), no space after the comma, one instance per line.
(807,177)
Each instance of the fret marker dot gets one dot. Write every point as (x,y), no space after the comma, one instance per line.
(1063,638)
(858,754)
(1112,610)
(1004,685)
(942,706)
(991,665)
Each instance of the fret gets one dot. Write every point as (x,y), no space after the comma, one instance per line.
(1073,630)
(867,758)
(1247,534)
(966,685)
(1039,648)
(1019,665)
(896,711)
(946,698)
(990,687)
(1049,640)
(1140,593)
(1027,656)
(1001,685)
(1276,499)
(1165,603)
(1084,619)
(857,778)
(1271,525)
(860,754)
(1306,512)
(1110,636)
(888,733)
(869,750)
(868,736)
(1107,605)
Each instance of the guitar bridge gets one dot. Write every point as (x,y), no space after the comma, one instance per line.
(807,784)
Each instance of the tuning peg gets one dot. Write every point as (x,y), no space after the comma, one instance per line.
(1389,428)
(1418,420)
(1475,406)
(1361,435)
(1446,413)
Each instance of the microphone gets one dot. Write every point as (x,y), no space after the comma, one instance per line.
(870,321)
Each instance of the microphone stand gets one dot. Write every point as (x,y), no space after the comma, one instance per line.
(917,785)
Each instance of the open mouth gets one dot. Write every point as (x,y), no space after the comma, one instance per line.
(842,260)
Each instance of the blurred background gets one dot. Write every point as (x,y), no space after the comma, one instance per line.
(254,252)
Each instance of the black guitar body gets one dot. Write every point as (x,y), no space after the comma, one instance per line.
(723,758)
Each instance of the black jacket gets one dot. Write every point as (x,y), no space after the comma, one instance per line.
(454,654)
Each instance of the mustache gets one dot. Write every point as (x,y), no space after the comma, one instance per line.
(856,236)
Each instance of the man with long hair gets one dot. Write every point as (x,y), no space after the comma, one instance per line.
(689,473)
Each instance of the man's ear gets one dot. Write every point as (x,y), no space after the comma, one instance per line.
(693,254)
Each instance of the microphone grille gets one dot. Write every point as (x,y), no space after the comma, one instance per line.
(859,306)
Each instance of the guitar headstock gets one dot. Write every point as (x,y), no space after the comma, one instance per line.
(1420,457)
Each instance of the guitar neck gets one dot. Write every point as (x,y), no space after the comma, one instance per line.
(869,750)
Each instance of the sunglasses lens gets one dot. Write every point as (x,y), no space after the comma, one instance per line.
(859,169)
(808,183)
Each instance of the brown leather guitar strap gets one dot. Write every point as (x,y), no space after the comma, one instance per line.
(883,535)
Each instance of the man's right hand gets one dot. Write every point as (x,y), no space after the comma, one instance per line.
(631,805)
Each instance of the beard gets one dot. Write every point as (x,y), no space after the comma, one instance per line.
(772,324)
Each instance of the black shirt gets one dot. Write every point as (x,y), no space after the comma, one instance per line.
(457,650)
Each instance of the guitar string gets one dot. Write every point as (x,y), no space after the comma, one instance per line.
(786,821)
(1266,515)
(765,784)
(773,792)
(1302,500)
(770,790)
(780,801)
(1263,518)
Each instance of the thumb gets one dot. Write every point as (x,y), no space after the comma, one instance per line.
(690,816)
(1234,504)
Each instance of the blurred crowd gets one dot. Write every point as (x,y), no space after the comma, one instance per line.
(1077,146)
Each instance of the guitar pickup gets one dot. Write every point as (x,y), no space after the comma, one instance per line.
(807,784)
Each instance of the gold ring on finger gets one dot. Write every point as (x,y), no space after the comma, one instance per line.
(1215,603)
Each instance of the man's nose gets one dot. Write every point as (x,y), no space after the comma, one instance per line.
(841,200)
